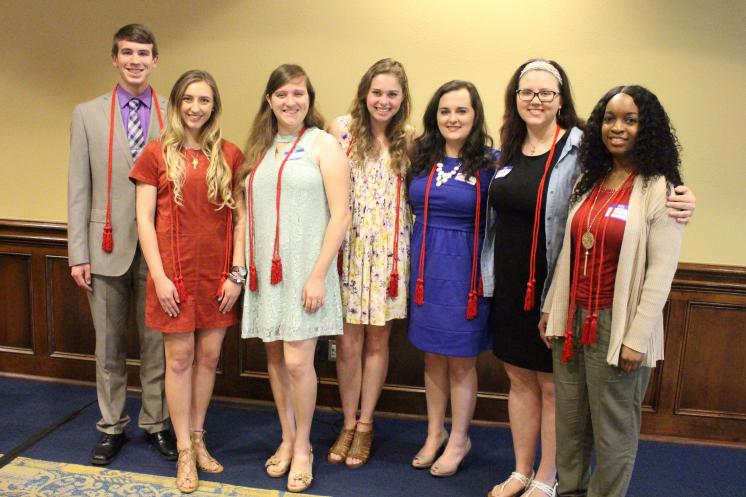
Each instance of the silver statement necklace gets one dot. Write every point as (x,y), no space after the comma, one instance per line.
(441,177)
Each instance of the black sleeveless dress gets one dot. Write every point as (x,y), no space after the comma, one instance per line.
(513,196)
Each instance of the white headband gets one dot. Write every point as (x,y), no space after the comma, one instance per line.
(542,65)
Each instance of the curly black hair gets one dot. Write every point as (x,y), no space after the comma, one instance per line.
(655,152)
(429,148)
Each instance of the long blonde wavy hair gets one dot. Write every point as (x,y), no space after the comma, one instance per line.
(264,126)
(219,176)
(398,133)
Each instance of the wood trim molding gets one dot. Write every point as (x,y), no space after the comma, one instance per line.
(684,401)
(35,232)
(710,278)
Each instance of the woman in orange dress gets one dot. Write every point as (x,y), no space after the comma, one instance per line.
(185,209)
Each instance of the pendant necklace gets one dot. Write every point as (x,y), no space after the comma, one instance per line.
(442,178)
(588,240)
(533,147)
(194,160)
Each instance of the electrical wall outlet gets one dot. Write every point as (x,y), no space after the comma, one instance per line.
(332,350)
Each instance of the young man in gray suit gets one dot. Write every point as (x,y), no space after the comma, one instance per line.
(107,135)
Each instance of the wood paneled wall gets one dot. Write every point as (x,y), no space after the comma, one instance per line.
(697,393)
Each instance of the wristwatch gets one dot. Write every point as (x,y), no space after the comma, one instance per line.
(241,271)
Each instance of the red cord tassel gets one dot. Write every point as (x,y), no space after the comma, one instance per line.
(340,255)
(528,303)
(253,281)
(480,287)
(181,289)
(567,349)
(471,306)
(276,275)
(223,277)
(419,292)
(592,329)
(393,284)
(107,241)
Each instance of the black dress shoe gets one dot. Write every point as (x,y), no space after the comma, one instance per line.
(107,448)
(164,442)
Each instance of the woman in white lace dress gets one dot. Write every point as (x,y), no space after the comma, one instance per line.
(296,187)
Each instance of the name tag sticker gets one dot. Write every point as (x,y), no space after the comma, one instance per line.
(462,178)
(297,154)
(619,212)
(503,171)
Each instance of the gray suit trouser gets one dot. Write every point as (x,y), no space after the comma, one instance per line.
(110,305)
(598,408)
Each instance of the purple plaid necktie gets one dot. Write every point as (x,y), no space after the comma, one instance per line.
(135,136)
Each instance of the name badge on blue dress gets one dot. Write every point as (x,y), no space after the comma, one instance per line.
(460,177)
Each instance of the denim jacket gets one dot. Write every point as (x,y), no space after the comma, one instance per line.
(561,182)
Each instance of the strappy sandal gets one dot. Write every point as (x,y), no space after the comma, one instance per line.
(187,479)
(299,481)
(549,491)
(421,462)
(205,461)
(283,465)
(360,448)
(341,446)
(497,490)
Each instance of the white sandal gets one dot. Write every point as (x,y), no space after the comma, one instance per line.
(550,491)
(515,475)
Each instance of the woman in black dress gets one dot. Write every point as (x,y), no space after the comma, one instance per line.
(527,209)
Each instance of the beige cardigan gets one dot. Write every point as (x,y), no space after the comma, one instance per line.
(647,262)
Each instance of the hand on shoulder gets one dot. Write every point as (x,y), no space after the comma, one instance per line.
(339,126)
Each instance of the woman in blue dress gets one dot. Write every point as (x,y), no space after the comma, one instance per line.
(452,163)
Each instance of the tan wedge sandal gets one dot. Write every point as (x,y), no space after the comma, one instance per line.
(277,467)
(341,446)
(299,481)
(360,448)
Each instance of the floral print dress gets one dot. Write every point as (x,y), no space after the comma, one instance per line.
(367,251)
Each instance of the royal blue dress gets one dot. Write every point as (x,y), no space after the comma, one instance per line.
(439,325)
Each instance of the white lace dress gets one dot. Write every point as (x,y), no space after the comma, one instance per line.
(275,312)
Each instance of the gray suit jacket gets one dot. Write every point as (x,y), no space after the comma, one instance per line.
(87,185)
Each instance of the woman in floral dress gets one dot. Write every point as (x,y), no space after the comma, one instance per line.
(374,262)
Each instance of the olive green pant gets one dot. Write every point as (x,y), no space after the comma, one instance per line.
(598,408)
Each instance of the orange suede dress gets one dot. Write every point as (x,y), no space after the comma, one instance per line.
(198,246)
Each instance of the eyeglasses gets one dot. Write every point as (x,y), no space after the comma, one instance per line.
(544,95)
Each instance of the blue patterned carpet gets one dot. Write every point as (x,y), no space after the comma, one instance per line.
(242,437)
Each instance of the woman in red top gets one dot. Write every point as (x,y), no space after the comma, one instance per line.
(185,210)
(604,310)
